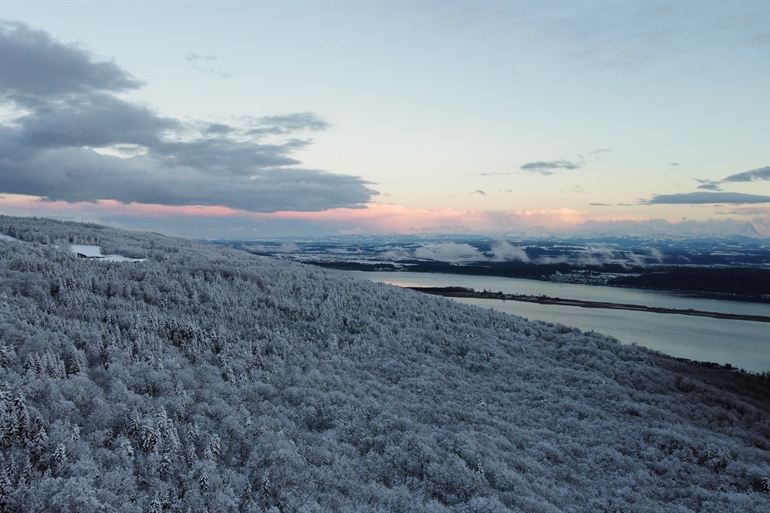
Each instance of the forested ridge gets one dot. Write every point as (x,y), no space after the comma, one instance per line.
(208,379)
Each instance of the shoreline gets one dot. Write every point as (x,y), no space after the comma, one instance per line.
(462,292)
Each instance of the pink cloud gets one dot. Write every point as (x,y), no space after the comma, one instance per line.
(375,218)
(386,218)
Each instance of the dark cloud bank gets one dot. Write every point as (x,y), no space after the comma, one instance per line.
(66,107)
(706,198)
(750,176)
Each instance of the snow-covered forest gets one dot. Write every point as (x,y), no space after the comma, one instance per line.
(207,379)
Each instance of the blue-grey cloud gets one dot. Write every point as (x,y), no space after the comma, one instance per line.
(196,57)
(599,205)
(96,119)
(762,173)
(219,128)
(202,63)
(706,198)
(289,123)
(479,191)
(546,168)
(708,185)
(33,66)
(549,166)
(71,132)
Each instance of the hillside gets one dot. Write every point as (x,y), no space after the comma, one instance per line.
(208,379)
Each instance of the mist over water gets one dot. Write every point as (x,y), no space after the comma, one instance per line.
(744,344)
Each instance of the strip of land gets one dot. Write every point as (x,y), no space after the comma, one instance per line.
(546,300)
(725,283)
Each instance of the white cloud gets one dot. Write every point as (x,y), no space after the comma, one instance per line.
(504,252)
(449,252)
(396,254)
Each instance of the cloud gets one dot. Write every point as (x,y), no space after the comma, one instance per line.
(397,253)
(379,218)
(655,253)
(74,140)
(762,173)
(754,210)
(479,191)
(289,123)
(599,205)
(705,198)
(708,185)
(449,252)
(195,57)
(602,254)
(504,251)
(198,61)
(34,66)
(219,128)
(547,167)
(544,168)
(578,190)
(747,176)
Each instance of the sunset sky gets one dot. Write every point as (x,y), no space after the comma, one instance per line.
(265,119)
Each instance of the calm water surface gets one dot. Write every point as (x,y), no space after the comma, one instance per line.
(744,344)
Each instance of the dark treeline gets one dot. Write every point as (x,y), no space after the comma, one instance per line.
(516,269)
(207,379)
(746,284)
(742,283)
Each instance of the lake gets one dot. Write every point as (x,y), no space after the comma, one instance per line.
(744,344)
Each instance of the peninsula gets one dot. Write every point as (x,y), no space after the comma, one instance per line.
(546,300)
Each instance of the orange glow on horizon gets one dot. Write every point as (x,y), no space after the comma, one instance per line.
(373,218)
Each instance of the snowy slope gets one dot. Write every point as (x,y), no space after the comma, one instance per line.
(205,379)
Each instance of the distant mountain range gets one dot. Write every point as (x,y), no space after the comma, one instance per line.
(192,377)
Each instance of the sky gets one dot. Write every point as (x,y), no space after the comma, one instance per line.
(269,119)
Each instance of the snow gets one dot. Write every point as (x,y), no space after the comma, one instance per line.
(8,238)
(96,252)
(89,251)
(224,381)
